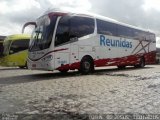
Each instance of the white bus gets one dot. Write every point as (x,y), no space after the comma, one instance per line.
(68,41)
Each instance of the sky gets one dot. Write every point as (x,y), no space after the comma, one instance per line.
(141,13)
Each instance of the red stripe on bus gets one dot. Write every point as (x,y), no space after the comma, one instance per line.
(49,53)
(126,61)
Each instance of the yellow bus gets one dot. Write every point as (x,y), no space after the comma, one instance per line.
(15,51)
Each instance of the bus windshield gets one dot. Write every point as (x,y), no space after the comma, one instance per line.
(11,47)
(42,35)
(6,45)
(18,46)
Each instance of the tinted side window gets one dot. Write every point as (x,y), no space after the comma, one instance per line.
(152,37)
(149,36)
(62,33)
(106,28)
(18,46)
(140,35)
(81,26)
(125,31)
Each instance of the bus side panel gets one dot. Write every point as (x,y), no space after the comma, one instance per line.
(61,57)
(14,60)
(87,47)
(150,57)
(110,51)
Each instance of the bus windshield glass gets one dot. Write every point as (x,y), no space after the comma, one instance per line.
(42,35)
(18,45)
(6,45)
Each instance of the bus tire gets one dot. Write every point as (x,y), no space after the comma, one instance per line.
(21,67)
(26,66)
(87,65)
(141,63)
(121,67)
(64,71)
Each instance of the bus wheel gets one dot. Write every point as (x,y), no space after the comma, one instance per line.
(87,65)
(26,66)
(121,67)
(64,71)
(141,63)
(21,67)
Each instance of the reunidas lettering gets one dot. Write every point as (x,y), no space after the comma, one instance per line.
(114,43)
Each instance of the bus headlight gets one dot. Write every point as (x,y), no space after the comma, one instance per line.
(47,58)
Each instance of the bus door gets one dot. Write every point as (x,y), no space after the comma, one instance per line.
(62,44)
(62,57)
(74,50)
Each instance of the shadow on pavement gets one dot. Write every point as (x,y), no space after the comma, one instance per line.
(106,71)
(9,68)
(51,76)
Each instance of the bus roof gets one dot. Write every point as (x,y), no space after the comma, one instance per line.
(18,36)
(97,17)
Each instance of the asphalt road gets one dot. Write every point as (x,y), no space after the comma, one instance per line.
(107,91)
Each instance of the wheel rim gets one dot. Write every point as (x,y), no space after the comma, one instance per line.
(87,66)
(142,63)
